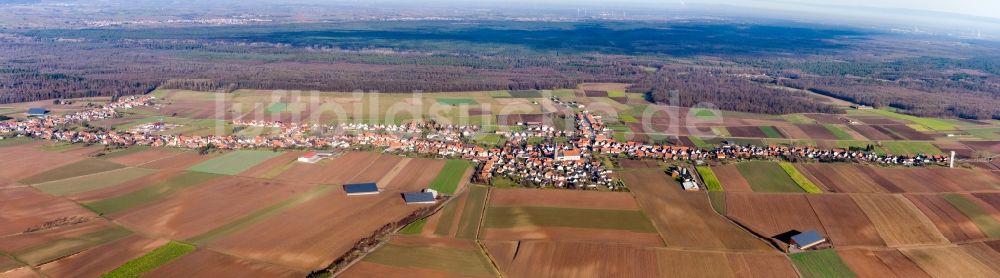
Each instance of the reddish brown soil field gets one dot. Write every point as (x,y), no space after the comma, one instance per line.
(180,162)
(374,173)
(563,198)
(772,214)
(985,254)
(961,151)
(817,131)
(870,132)
(367,269)
(205,263)
(121,189)
(760,265)
(445,242)
(868,263)
(637,164)
(416,175)
(826,118)
(572,234)
(335,171)
(300,237)
(184,215)
(731,178)
(26,208)
(23,161)
(989,146)
(143,157)
(887,132)
(908,132)
(595,93)
(101,259)
(952,223)
(501,252)
(949,261)
(844,221)
(577,259)
(666,205)
(685,141)
(792,131)
(674,263)
(746,131)
(936,179)
(840,178)
(993,199)
(24,272)
(898,221)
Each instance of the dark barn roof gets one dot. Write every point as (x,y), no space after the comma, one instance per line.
(418,197)
(358,188)
(807,238)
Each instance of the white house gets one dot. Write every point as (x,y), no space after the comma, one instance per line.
(310,157)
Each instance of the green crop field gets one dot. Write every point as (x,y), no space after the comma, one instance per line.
(765,176)
(447,180)
(708,176)
(913,148)
(447,217)
(718,201)
(149,193)
(930,123)
(277,107)
(799,179)
(457,101)
(616,93)
(234,163)
(451,260)
(93,182)
(986,223)
(511,217)
(472,214)
(491,140)
(414,228)
(150,261)
(821,264)
(76,169)
(838,132)
(58,248)
(771,132)
(798,119)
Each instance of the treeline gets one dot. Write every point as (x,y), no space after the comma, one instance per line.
(726,89)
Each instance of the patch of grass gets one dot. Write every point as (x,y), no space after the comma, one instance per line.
(918,127)
(149,193)
(798,119)
(58,248)
(500,94)
(534,140)
(511,217)
(9,142)
(721,131)
(984,133)
(61,147)
(526,94)
(277,107)
(491,139)
(258,215)
(450,176)
(457,101)
(930,123)
(704,113)
(770,132)
(234,163)
(986,223)
(503,182)
(765,176)
(698,142)
(821,264)
(912,148)
(841,134)
(452,260)
(150,261)
(708,176)
(92,182)
(616,93)
(472,214)
(626,118)
(799,179)
(76,169)
(414,228)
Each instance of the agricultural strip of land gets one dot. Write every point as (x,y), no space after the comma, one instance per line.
(150,261)
(234,163)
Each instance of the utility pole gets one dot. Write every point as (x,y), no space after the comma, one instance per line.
(951,163)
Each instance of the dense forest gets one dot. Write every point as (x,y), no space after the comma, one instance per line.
(740,67)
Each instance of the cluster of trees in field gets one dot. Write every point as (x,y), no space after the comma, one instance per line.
(726,89)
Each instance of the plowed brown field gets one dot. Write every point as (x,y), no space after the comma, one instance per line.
(772,214)
(898,221)
(367,269)
(180,162)
(121,189)
(563,198)
(572,234)
(23,161)
(948,261)
(891,263)
(731,178)
(580,260)
(666,205)
(205,263)
(101,259)
(146,156)
(870,132)
(501,252)
(186,214)
(952,223)
(844,221)
(26,208)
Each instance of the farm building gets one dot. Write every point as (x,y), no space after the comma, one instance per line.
(361,189)
(427,196)
(310,157)
(690,185)
(37,112)
(808,239)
